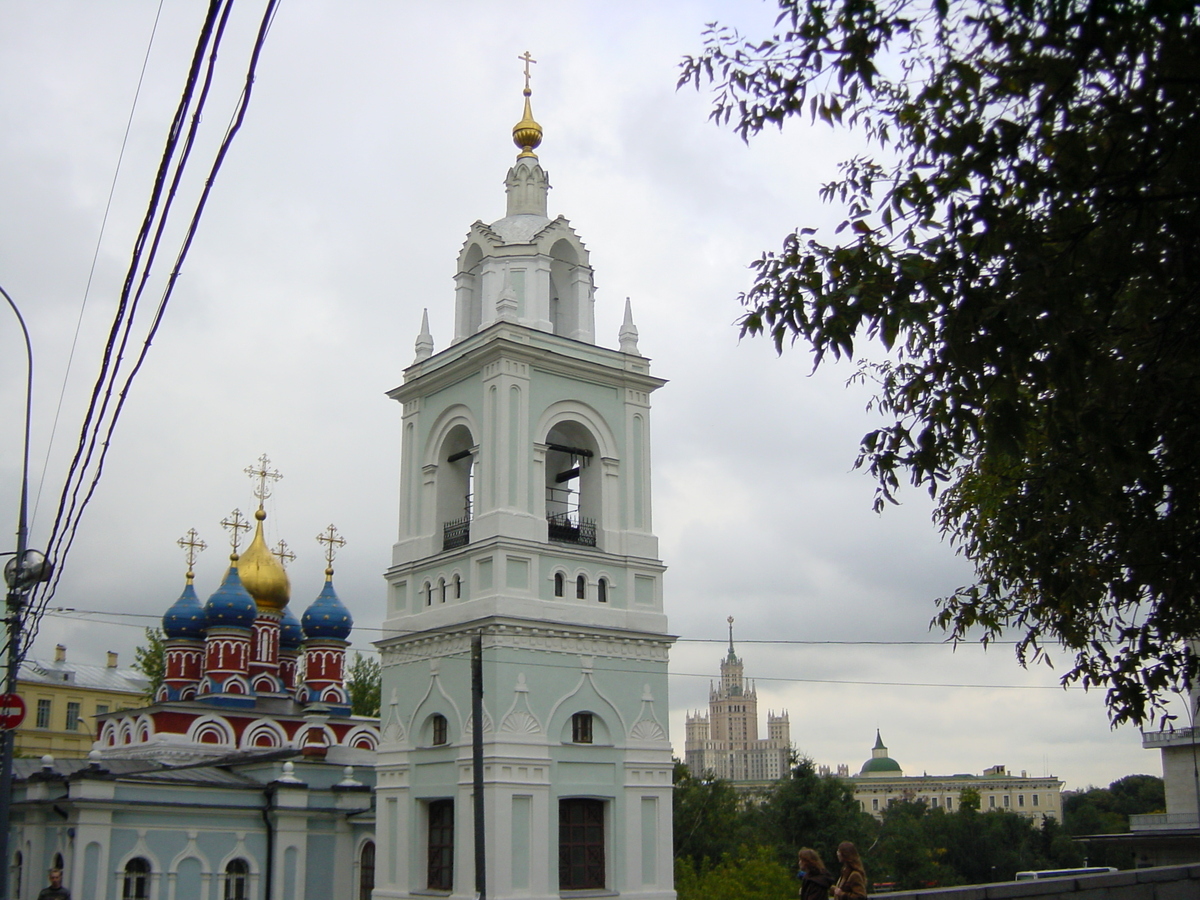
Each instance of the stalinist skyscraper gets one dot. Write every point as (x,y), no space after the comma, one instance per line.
(724,741)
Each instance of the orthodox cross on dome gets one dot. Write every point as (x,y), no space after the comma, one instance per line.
(235,523)
(332,541)
(192,547)
(264,474)
(282,552)
(528,58)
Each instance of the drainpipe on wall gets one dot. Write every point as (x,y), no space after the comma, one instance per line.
(269,867)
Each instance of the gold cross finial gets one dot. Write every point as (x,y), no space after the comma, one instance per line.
(283,553)
(235,523)
(528,59)
(263,474)
(332,541)
(192,547)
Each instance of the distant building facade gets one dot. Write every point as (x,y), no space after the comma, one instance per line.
(63,699)
(881,782)
(725,742)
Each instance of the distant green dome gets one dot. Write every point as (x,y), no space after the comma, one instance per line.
(879,764)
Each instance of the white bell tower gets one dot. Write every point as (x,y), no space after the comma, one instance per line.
(525,519)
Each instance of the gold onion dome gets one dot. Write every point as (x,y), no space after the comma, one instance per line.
(262,573)
(527,134)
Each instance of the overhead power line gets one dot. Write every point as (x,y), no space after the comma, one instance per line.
(116,376)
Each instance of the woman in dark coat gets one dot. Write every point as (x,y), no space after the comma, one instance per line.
(817,880)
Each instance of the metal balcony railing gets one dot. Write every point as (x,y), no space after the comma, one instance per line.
(456,533)
(571,528)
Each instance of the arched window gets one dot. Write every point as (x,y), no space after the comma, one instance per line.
(237,880)
(455,487)
(602,590)
(136,885)
(580,588)
(442,589)
(558,584)
(572,485)
(366,871)
(457,587)
(58,862)
(441,731)
(428,594)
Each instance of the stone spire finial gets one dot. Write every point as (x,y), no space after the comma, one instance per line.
(628,335)
(424,345)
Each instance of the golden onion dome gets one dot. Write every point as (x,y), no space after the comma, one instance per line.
(527,133)
(262,573)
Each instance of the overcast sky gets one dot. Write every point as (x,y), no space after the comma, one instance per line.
(377,133)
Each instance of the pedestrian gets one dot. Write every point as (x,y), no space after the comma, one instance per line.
(852,884)
(817,880)
(56,891)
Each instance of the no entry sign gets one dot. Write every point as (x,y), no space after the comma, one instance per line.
(12,711)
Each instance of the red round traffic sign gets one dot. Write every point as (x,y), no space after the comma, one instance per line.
(12,711)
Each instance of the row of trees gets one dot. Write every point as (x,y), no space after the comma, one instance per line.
(729,849)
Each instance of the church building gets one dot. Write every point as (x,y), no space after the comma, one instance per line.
(248,776)
(526,531)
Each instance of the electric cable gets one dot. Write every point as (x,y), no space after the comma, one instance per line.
(97,421)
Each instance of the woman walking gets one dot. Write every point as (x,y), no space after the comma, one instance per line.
(817,880)
(852,884)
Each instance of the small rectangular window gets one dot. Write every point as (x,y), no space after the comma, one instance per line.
(581,728)
(991,801)
(43,714)
(72,715)
(440,735)
(1035,799)
(440,869)
(875,804)
(101,708)
(949,803)
(933,802)
(1020,799)
(1006,804)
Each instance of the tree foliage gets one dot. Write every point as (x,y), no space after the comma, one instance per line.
(151,660)
(364,684)
(750,874)
(707,817)
(809,810)
(1023,243)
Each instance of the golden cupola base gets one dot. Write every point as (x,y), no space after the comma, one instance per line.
(261,572)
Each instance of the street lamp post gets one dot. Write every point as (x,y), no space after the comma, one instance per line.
(25,569)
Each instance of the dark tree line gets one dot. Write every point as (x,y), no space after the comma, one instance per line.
(732,846)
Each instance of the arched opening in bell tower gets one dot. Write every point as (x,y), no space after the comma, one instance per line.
(470,286)
(572,485)
(456,487)
(564,306)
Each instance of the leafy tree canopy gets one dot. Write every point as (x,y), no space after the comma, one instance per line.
(363,684)
(151,660)
(1024,244)
(707,815)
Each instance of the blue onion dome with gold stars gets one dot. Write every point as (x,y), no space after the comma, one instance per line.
(327,617)
(186,617)
(231,605)
(290,634)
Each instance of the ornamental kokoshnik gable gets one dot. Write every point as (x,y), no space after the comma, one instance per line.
(525,520)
